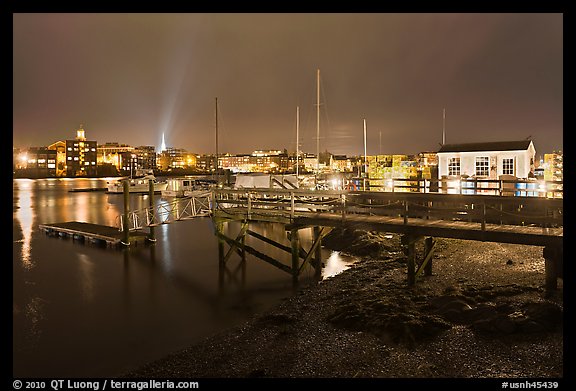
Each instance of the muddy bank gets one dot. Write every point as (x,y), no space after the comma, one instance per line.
(482,314)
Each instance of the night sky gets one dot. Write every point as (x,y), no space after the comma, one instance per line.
(130,77)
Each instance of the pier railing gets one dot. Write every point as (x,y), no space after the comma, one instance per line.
(168,211)
(472,186)
(285,205)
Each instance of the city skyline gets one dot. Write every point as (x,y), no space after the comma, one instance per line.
(132,77)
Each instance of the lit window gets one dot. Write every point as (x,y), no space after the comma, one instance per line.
(51,165)
(41,160)
(93,149)
(69,148)
(454,166)
(93,163)
(75,157)
(86,163)
(508,166)
(69,157)
(482,166)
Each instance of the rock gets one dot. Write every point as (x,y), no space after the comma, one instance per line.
(548,314)
(503,324)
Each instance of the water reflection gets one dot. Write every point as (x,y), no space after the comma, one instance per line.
(25,217)
(86,280)
(121,309)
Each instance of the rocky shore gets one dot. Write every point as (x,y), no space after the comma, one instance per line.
(482,314)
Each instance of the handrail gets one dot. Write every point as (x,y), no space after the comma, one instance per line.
(474,208)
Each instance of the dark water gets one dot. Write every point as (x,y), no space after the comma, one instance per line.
(86,311)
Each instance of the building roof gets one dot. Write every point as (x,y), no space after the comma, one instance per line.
(489,146)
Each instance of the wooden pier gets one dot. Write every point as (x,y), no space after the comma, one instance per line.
(415,216)
(95,233)
(535,221)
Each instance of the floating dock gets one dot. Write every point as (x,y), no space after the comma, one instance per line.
(94,233)
(87,189)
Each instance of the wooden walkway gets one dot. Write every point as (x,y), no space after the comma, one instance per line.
(96,233)
(415,216)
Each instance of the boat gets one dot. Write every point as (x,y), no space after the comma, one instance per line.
(139,184)
(187,186)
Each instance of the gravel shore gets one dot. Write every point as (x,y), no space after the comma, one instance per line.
(482,314)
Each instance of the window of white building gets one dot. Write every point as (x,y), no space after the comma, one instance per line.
(508,166)
(482,166)
(454,166)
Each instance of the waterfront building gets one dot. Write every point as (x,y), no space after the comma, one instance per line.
(175,158)
(111,153)
(80,155)
(488,160)
(553,166)
(38,162)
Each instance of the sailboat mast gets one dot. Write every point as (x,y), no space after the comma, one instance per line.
(297,139)
(216,129)
(317,122)
(443,126)
(365,156)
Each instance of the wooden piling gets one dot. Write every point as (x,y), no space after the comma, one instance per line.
(295,254)
(151,236)
(552,261)
(125,225)
(318,254)
(221,264)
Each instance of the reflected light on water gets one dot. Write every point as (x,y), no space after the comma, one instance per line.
(86,280)
(34,312)
(336,264)
(25,216)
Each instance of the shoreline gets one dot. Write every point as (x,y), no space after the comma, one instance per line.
(482,314)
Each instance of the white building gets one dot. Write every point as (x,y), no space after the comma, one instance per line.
(487,160)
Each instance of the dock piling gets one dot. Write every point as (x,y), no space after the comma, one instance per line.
(125,226)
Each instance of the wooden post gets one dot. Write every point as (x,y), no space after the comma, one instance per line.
(125,227)
(411,261)
(243,262)
(483,216)
(295,256)
(428,244)
(151,236)
(552,259)
(405,211)
(318,254)
(221,263)
(249,206)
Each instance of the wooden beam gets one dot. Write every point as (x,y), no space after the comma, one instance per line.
(269,241)
(238,238)
(426,264)
(315,246)
(256,253)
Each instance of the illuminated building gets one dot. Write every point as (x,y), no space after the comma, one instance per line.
(80,155)
(111,153)
(553,166)
(488,160)
(258,161)
(38,162)
(175,158)
(139,158)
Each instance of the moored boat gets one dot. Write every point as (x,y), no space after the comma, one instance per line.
(187,186)
(137,185)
